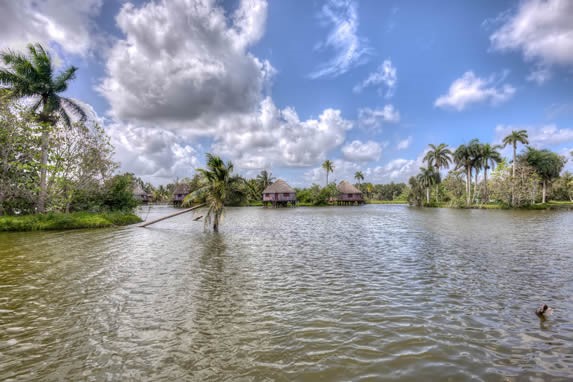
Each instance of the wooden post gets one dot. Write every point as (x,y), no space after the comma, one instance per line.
(172,215)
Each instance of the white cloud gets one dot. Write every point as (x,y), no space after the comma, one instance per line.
(68,23)
(375,117)
(274,137)
(472,89)
(385,75)
(405,143)
(541,29)
(540,75)
(539,136)
(349,49)
(397,170)
(180,63)
(343,170)
(359,151)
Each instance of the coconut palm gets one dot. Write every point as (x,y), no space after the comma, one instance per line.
(218,185)
(33,77)
(516,136)
(476,149)
(359,176)
(463,158)
(440,157)
(328,166)
(427,178)
(490,157)
(265,179)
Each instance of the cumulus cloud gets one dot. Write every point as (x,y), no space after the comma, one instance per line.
(472,89)
(375,117)
(359,151)
(348,48)
(181,63)
(343,170)
(68,23)
(274,137)
(541,29)
(405,143)
(397,170)
(539,136)
(385,76)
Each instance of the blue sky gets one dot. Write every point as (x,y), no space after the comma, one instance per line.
(285,85)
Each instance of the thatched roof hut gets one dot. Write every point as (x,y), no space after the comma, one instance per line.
(279,194)
(348,194)
(180,192)
(139,194)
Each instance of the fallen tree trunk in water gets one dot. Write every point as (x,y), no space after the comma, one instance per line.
(172,215)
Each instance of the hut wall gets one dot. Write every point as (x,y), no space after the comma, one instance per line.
(280,197)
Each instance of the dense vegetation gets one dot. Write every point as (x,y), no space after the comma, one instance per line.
(481,176)
(51,162)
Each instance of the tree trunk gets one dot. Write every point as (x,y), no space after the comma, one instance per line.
(468,189)
(41,206)
(513,175)
(544,193)
(476,186)
(326,178)
(486,196)
(427,195)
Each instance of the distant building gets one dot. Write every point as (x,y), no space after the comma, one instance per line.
(140,195)
(279,194)
(348,194)
(180,192)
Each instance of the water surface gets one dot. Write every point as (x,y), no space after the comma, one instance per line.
(344,293)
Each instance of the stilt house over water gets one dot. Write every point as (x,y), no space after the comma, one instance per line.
(180,192)
(348,194)
(279,194)
(140,195)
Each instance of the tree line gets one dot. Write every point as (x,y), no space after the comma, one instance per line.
(481,175)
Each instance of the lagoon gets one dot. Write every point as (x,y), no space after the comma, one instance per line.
(378,292)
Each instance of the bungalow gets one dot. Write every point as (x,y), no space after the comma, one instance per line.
(180,192)
(279,194)
(140,195)
(348,194)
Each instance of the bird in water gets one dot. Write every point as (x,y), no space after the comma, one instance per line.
(544,311)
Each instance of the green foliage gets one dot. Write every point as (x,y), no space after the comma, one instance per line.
(60,221)
(118,194)
(315,195)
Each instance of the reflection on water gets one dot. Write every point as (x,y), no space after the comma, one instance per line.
(368,293)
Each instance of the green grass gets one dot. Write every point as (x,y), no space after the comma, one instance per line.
(386,202)
(59,221)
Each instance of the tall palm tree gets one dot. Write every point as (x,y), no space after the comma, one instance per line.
(490,157)
(265,179)
(440,157)
(33,76)
(218,185)
(463,158)
(516,136)
(359,176)
(427,178)
(328,166)
(476,149)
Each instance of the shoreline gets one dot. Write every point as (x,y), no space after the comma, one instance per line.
(64,222)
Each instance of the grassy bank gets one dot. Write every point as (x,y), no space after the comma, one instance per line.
(59,221)
(386,202)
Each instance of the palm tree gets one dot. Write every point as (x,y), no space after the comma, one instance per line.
(427,178)
(33,77)
(218,185)
(463,158)
(359,176)
(476,149)
(328,166)
(265,179)
(512,139)
(440,157)
(489,156)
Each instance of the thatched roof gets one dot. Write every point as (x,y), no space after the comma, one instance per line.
(137,190)
(182,189)
(278,187)
(345,187)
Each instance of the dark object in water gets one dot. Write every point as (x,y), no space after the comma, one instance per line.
(544,311)
(198,218)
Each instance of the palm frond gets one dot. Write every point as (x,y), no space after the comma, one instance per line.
(75,108)
(61,81)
